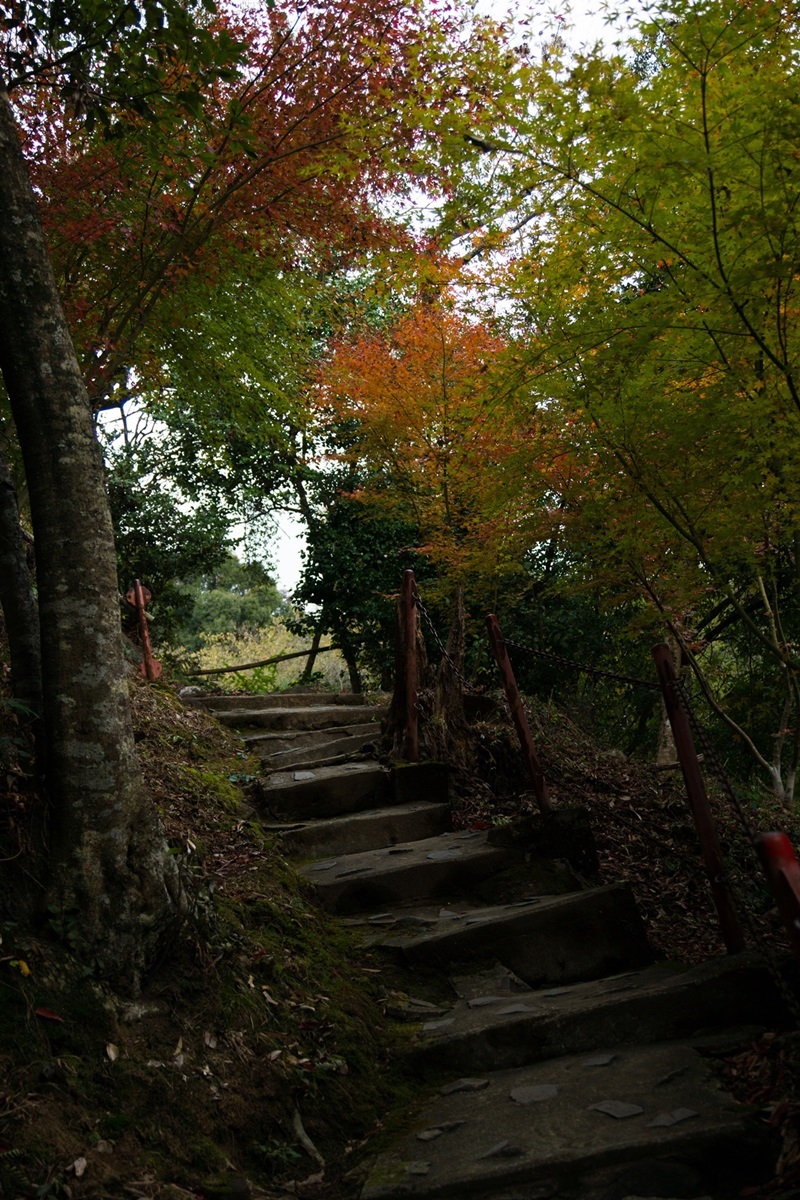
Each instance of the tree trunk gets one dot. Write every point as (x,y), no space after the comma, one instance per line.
(110,873)
(449,735)
(308,670)
(348,654)
(17,601)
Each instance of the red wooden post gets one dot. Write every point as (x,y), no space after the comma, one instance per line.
(698,801)
(408,624)
(137,597)
(783,875)
(511,690)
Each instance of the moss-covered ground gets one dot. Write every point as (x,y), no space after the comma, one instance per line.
(259,1048)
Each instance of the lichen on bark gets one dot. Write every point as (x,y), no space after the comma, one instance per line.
(108,872)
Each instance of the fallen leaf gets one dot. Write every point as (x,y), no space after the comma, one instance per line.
(48,1015)
(79,1167)
(112,1051)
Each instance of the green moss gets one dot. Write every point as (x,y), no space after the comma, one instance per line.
(206,1155)
(388,1173)
(215,786)
(113,1125)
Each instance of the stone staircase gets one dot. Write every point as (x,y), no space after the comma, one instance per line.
(563,1063)
(296,730)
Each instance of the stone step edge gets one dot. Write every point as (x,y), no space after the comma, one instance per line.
(531,1025)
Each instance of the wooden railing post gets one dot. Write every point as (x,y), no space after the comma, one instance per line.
(511,690)
(698,801)
(408,626)
(138,596)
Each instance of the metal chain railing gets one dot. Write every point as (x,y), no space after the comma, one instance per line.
(584,667)
(597,672)
(459,674)
(719,875)
(725,878)
(711,757)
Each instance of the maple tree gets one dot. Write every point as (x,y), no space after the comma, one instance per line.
(657,302)
(282,160)
(197,260)
(205,439)
(427,404)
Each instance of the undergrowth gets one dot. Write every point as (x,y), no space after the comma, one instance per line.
(259,1047)
(641,823)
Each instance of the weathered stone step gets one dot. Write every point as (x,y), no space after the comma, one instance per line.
(636,1121)
(337,748)
(327,791)
(439,866)
(544,940)
(368,830)
(321,716)
(500,1027)
(312,764)
(266,743)
(227,703)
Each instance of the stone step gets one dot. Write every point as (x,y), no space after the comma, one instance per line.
(335,749)
(312,764)
(545,940)
(321,716)
(636,1121)
(440,866)
(227,703)
(325,792)
(501,1024)
(368,830)
(266,743)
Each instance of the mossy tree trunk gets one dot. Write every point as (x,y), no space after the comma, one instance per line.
(17,600)
(109,870)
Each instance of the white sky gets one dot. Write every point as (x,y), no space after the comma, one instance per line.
(287,546)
